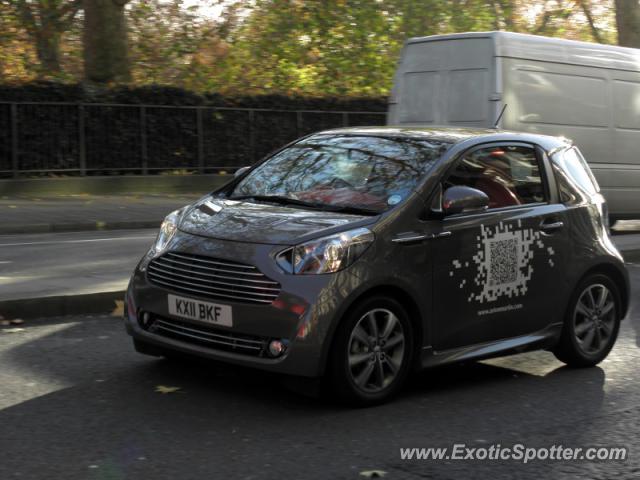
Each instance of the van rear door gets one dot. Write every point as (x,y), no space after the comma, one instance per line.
(445,82)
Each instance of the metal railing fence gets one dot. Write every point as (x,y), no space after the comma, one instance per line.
(99,139)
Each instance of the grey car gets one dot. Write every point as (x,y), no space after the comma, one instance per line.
(360,255)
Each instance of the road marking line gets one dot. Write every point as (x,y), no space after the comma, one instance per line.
(76,241)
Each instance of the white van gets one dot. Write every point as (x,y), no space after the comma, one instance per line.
(583,91)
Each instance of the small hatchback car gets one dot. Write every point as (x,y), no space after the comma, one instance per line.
(361,254)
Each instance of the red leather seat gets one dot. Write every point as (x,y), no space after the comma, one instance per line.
(499,194)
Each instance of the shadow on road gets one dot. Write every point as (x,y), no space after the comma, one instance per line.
(111,424)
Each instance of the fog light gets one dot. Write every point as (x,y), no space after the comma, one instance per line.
(276,348)
(146,319)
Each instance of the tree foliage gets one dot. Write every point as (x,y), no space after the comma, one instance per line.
(350,46)
(320,47)
(44,22)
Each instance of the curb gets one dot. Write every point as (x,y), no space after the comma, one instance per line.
(77,227)
(29,308)
(117,184)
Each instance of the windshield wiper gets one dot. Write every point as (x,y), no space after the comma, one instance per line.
(277,199)
(350,209)
(301,203)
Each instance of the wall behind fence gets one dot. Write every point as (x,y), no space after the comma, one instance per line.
(39,138)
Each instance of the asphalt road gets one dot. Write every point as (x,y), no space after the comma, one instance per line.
(39,265)
(77,403)
(69,263)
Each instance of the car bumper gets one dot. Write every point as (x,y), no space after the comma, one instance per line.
(302,316)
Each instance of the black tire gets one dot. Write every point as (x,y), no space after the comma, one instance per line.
(346,344)
(147,349)
(571,349)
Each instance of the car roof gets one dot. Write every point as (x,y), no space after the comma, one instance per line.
(454,135)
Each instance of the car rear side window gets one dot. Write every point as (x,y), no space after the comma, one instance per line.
(575,166)
(509,174)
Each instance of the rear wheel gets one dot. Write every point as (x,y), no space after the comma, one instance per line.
(372,352)
(591,324)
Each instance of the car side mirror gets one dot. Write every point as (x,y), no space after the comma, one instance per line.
(240,171)
(458,199)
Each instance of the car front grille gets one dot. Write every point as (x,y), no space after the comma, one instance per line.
(212,278)
(209,337)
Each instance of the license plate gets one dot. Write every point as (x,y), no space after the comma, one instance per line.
(203,311)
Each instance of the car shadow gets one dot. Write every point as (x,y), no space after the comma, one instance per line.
(237,420)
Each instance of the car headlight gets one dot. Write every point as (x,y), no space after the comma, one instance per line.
(327,254)
(167,231)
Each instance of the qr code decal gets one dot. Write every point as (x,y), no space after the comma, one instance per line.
(502,262)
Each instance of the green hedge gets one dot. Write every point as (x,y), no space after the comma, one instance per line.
(164,95)
(50,135)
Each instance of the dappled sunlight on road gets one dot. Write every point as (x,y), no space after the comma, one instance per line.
(13,279)
(33,382)
(533,363)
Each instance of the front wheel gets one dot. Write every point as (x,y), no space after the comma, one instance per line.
(591,324)
(372,351)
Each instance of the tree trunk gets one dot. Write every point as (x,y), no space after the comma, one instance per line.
(48,51)
(628,22)
(105,42)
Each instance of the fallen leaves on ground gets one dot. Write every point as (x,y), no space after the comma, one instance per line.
(119,310)
(164,389)
(5,323)
(13,330)
(373,473)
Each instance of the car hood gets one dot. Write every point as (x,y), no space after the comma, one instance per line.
(263,223)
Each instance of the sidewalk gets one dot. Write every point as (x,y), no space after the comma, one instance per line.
(84,212)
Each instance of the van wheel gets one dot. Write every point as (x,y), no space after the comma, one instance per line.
(372,352)
(591,324)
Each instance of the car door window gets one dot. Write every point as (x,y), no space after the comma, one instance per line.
(574,164)
(509,174)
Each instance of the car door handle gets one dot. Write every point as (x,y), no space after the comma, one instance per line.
(551,226)
(413,237)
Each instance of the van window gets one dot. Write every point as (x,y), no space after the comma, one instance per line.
(575,166)
(509,175)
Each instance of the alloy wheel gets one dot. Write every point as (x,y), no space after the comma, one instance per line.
(376,350)
(594,318)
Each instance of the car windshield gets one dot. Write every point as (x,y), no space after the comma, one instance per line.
(370,173)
